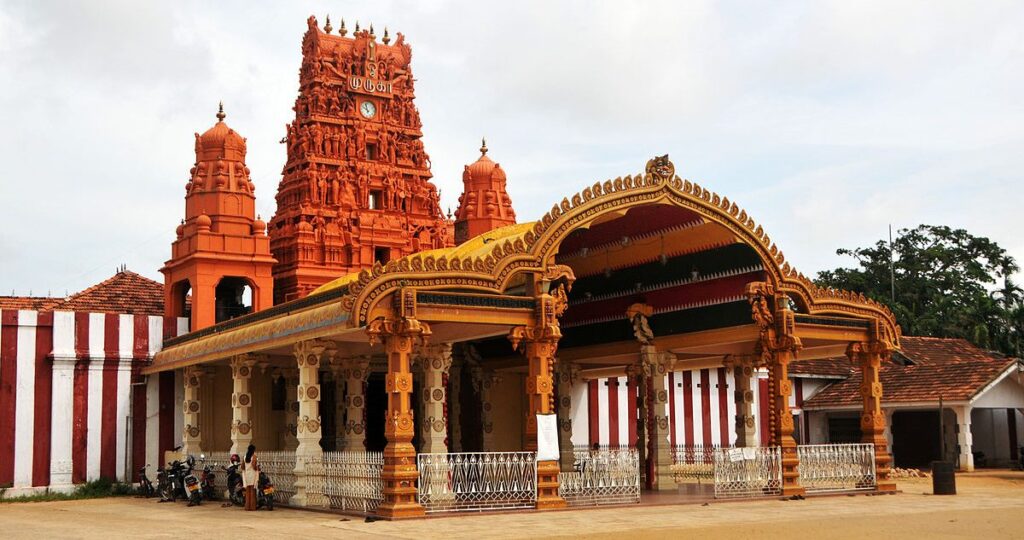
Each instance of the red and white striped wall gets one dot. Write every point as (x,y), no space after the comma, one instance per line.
(69,411)
(702,408)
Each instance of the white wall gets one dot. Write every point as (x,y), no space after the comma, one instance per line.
(1008,393)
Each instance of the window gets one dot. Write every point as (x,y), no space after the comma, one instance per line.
(382,255)
(376,199)
(371,151)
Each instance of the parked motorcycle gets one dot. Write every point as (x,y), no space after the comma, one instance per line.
(206,478)
(193,490)
(236,493)
(168,482)
(146,488)
(265,492)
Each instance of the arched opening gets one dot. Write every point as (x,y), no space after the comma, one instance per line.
(181,300)
(233,298)
(691,271)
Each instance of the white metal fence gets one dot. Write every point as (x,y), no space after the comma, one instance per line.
(693,463)
(837,467)
(351,480)
(216,460)
(459,482)
(602,477)
(747,472)
(280,467)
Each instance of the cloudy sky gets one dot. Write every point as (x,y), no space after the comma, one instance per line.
(826,121)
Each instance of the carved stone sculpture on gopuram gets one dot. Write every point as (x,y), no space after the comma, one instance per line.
(356,186)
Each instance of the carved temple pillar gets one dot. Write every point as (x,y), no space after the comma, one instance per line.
(291,408)
(434,362)
(656,367)
(538,343)
(780,388)
(484,381)
(869,357)
(191,438)
(241,403)
(351,374)
(308,358)
(399,473)
(743,373)
(454,403)
(776,347)
(568,374)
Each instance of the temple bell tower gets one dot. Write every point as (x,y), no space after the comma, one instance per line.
(221,256)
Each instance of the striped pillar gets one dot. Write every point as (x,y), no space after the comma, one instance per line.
(63,391)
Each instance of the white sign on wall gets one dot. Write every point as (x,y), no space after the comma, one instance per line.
(547,437)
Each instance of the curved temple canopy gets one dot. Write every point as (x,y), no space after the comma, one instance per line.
(700,264)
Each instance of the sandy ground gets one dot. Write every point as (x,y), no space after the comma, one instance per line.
(989,506)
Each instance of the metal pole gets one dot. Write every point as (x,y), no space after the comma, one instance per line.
(942,433)
(892,269)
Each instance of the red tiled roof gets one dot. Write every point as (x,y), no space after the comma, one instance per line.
(125,292)
(36,303)
(952,369)
(824,367)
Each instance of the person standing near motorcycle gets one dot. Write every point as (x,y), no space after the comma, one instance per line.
(250,477)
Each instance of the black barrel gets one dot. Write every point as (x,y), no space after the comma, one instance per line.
(943,478)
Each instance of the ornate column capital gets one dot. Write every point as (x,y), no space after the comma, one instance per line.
(417,332)
(436,357)
(568,372)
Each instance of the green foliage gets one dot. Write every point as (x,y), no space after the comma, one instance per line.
(102,487)
(948,283)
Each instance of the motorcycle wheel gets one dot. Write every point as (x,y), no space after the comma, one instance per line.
(270,503)
(196,499)
(167,493)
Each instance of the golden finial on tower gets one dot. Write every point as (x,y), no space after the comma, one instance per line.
(342,31)
(386,39)
(483,146)
(328,27)
(357,27)
(371,31)
(220,112)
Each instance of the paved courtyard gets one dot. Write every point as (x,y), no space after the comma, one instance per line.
(989,506)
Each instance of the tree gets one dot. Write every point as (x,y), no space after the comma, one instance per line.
(948,283)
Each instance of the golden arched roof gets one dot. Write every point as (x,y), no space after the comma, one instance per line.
(489,263)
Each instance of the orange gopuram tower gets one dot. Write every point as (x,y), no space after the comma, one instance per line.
(356,186)
(484,204)
(221,248)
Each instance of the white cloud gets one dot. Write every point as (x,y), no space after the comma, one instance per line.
(826,121)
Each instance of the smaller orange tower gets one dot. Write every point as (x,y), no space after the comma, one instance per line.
(221,247)
(484,204)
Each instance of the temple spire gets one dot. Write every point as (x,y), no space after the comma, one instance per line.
(220,112)
(483,146)
(328,27)
(342,31)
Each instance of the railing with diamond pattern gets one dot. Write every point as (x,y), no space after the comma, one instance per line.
(216,460)
(350,481)
(693,463)
(602,477)
(280,467)
(747,472)
(836,467)
(459,482)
